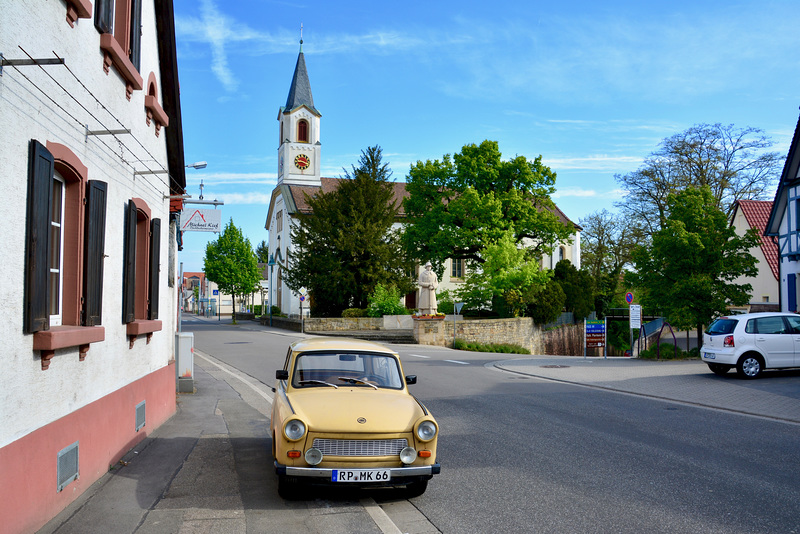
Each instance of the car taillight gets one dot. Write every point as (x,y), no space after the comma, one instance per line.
(728,341)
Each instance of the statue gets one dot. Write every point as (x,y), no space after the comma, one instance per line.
(428,282)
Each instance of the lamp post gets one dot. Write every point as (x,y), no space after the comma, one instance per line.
(271,264)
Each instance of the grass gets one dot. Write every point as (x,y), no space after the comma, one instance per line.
(505,348)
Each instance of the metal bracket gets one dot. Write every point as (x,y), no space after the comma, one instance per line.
(104,132)
(25,62)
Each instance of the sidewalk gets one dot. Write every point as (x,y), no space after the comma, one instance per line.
(687,381)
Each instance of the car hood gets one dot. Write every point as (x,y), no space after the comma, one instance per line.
(339,410)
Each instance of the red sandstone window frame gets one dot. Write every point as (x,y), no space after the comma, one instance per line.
(120,43)
(303,131)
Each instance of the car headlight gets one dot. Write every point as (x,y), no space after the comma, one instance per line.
(294,429)
(408,455)
(426,430)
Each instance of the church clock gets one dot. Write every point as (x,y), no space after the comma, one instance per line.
(302,162)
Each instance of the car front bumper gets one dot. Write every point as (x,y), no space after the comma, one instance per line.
(400,475)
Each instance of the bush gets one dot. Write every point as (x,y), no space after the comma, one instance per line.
(505,348)
(257,310)
(385,301)
(668,352)
(354,312)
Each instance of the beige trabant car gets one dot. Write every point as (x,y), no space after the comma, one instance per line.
(342,414)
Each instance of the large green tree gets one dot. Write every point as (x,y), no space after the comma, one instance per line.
(607,242)
(459,205)
(231,263)
(262,252)
(346,246)
(734,163)
(688,271)
(577,287)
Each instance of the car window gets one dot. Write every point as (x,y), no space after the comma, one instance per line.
(794,324)
(722,326)
(317,369)
(766,325)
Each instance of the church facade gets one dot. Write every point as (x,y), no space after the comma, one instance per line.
(299,158)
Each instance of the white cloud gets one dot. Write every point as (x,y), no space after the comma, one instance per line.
(599,162)
(579,192)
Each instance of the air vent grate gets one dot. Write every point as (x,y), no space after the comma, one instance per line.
(140,415)
(67,465)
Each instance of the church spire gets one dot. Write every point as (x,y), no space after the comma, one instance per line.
(300,90)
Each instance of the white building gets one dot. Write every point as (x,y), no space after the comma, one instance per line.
(299,157)
(92,150)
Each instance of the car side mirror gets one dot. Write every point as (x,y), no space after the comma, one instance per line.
(411,379)
(282,374)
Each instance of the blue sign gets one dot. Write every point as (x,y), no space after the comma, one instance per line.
(629,297)
(215,292)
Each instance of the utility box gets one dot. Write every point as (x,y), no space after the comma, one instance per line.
(184,361)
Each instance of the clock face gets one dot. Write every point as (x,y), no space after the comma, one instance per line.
(302,162)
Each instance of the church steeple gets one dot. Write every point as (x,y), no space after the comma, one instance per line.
(300,90)
(299,144)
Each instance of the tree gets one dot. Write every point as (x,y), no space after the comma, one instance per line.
(545,303)
(458,206)
(688,271)
(262,252)
(231,263)
(607,242)
(577,287)
(732,162)
(346,247)
(505,275)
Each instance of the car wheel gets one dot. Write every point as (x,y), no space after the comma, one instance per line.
(415,489)
(749,366)
(288,488)
(718,368)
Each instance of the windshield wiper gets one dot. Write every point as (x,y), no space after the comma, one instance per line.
(356,381)
(304,382)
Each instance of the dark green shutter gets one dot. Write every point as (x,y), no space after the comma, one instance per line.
(136,33)
(104,16)
(94,248)
(155,262)
(37,269)
(129,265)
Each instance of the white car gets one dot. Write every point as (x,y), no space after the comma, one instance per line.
(752,342)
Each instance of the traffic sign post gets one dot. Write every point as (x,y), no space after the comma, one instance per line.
(594,335)
(635,321)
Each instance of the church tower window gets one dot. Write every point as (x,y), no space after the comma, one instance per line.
(302,131)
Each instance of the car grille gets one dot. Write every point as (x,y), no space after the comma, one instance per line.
(360,447)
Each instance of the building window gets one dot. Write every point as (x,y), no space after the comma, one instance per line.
(764,298)
(561,253)
(302,131)
(279,222)
(64,251)
(456,268)
(120,23)
(142,251)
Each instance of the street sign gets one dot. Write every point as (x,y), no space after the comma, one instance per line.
(595,333)
(636,316)
(215,292)
(629,297)
(458,306)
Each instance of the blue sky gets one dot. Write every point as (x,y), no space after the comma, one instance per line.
(591,86)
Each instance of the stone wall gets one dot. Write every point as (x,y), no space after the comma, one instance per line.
(333,324)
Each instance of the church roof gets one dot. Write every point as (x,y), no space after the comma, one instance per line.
(300,90)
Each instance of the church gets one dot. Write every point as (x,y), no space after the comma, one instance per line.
(299,158)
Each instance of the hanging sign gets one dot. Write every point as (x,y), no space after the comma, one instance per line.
(198,220)
(636,316)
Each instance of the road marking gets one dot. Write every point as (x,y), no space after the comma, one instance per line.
(419,356)
(458,362)
(234,375)
(377,514)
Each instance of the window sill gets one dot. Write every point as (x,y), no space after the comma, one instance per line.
(155,111)
(78,9)
(61,337)
(114,55)
(142,327)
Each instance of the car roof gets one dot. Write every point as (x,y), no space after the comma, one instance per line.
(758,314)
(338,344)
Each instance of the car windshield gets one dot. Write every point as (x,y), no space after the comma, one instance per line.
(358,369)
(724,325)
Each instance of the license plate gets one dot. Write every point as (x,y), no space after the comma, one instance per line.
(361,475)
(709,355)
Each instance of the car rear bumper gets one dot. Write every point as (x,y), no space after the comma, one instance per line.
(722,358)
(425,471)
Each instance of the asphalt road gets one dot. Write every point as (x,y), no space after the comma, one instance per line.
(520,454)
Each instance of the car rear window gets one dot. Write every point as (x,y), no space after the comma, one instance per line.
(724,325)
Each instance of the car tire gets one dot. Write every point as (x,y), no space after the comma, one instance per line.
(750,366)
(415,489)
(718,368)
(288,488)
